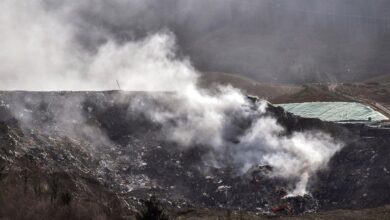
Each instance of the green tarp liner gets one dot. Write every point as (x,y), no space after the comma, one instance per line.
(334,111)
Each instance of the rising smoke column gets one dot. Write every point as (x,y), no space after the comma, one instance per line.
(41,53)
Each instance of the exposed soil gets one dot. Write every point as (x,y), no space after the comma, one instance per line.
(49,171)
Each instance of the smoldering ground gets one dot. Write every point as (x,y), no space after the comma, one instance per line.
(44,50)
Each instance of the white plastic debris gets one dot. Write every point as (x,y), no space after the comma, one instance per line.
(223,188)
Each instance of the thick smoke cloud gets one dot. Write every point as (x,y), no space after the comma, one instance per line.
(198,118)
(40,52)
(298,156)
(45,50)
(36,48)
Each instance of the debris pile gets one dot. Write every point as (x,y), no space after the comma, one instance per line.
(133,162)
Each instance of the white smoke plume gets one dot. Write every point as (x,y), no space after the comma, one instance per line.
(297,156)
(39,53)
(205,119)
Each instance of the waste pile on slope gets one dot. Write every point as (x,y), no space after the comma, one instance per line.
(92,145)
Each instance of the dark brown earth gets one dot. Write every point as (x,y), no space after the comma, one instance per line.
(60,169)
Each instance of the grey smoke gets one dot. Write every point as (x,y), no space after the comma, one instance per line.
(205,119)
(269,40)
(40,52)
(39,113)
(50,45)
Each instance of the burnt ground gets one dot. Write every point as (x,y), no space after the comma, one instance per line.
(104,162)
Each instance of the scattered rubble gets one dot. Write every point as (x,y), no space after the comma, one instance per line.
(133,161)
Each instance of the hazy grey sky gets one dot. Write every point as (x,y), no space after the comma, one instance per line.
(271,40)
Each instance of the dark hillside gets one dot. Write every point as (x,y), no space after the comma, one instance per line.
(103,163)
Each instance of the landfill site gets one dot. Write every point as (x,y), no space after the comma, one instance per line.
(173,110)
(47,160)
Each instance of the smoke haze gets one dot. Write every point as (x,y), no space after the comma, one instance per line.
(279,41)
(40,53)
(50,45)
(269,40)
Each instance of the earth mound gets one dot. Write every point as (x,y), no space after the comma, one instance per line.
(105,159)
